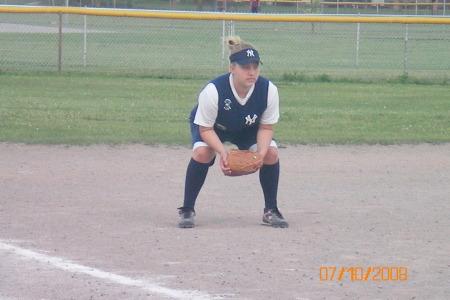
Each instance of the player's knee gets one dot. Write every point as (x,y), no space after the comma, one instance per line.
(203,154)
(271,156)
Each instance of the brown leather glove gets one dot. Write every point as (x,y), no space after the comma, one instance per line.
(243,162)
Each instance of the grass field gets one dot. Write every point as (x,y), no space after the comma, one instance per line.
(88,109)
(193,49)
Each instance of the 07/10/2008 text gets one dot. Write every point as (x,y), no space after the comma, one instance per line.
(364,274)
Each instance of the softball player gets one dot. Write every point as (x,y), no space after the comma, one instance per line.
(239,107)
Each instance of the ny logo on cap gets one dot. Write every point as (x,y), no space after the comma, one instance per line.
(250,53)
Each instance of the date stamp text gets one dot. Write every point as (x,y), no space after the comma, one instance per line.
(364,274)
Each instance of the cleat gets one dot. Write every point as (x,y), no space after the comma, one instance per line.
(186,217)
(273,217)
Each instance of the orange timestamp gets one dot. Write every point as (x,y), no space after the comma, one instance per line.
(364,274)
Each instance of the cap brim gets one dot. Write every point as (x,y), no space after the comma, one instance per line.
(248,60)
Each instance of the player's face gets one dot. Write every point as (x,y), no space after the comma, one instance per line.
(245,76)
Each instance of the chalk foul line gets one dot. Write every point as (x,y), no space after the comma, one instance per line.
(69,266)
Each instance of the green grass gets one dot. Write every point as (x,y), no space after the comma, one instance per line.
(85,110)
(355,113)
(178,48)
(88,109)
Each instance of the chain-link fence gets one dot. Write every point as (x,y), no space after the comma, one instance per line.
(194,48)
(389,7)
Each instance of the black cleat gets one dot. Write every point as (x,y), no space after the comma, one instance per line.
(186,217)
(274,218)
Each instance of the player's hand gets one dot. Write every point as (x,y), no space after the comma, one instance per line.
(223,164)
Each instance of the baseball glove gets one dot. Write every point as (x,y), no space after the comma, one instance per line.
(243,162)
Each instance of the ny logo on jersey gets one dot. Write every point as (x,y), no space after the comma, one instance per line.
(250,53)
(250,120)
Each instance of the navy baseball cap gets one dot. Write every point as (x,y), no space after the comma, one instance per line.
(245,56)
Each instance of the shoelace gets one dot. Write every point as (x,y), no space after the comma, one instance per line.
(186,212)
(277,213)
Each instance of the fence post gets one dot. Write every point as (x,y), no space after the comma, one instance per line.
(222,44)
(85,41)
(60,43)
(357,44)
(405,52)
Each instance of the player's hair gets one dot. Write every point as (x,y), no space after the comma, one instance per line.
(235,44)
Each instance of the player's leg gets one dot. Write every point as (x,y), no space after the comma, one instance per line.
(202,158)
(269,175)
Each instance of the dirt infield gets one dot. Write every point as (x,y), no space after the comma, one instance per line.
(100,222)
